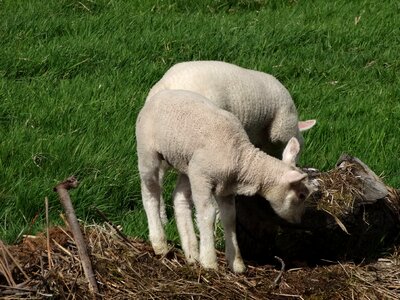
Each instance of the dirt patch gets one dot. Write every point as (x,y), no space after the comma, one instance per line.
(130,270)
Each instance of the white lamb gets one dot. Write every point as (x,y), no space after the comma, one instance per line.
(262,104)
(216,160)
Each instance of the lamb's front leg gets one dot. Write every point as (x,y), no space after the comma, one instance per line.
(228,217)
(205,212)
(184,221)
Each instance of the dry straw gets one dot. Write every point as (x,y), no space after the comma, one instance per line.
(50,266)
(131,271)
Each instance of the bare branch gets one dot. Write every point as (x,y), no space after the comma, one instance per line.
(62,190)
(279,277)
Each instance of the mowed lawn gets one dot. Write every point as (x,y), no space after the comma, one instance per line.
(74,74)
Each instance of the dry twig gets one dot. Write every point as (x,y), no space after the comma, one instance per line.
(62,190)
(46,201)
(279,277)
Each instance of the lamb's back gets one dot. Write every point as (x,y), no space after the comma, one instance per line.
(225,84)
(177,124)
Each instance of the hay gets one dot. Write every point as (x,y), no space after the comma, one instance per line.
(350,185)
(339,189)
(353,216)
(380,280)
(343,190)
(129,270)
(123,270)
(49,266)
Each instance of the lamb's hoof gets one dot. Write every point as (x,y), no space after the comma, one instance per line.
(210,265)
(238,266)
(161,249)
(192,259)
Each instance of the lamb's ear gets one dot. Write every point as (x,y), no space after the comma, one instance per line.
(291,151)
(305,125)
(293,176)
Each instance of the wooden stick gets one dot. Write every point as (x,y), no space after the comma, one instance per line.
(62,190)
(279,277)
(46,202)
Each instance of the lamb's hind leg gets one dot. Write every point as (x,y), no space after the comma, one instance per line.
(228,217)
(149,168)
(184,221)
(163,210)
(205,211)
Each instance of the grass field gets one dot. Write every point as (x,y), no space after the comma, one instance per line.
(74,74)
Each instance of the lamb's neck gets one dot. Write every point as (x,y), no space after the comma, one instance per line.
(257,170)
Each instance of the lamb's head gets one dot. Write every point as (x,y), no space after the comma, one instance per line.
(288,194)
(287,197)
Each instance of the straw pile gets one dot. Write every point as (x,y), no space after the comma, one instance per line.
(349,186)
(127,269)
(353,216)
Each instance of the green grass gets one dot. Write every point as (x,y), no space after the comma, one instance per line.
(74,74)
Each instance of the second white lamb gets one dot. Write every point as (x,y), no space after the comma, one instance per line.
(261,103)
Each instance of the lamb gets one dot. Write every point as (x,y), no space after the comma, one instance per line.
(210,149)
(259,100)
